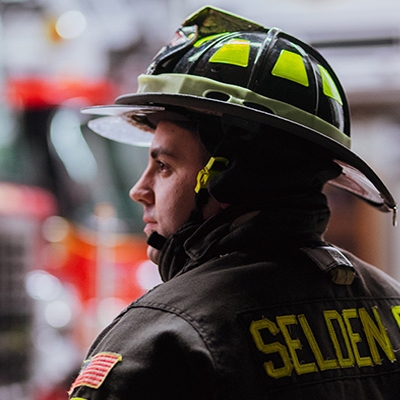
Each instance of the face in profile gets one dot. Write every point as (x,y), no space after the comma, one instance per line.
(166,187)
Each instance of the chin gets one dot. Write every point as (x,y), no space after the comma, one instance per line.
(153,254)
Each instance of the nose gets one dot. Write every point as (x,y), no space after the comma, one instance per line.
(142,191)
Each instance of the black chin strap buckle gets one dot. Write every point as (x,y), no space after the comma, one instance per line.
(156,240)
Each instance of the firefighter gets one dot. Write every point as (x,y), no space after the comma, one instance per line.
(245,125)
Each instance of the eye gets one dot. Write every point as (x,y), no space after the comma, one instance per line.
(162,167)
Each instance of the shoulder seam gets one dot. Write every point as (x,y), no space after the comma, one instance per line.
(188,318)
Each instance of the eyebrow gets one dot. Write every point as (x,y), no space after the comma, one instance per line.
(154,153)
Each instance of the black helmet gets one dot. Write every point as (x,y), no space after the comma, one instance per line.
(219,65)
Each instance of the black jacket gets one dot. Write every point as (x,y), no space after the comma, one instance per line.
(253,309)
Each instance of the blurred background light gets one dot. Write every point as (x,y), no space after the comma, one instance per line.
(71,24)
(147,275)
(58,314)
(55,229)
(41,285)
(71,146)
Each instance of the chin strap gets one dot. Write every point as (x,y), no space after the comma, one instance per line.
(156,240)
(214,166)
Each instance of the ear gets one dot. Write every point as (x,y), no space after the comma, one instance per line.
(213,207)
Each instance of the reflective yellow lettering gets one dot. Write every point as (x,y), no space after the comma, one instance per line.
(376,333)
(275,347)
(396,314)
(351,313)
(322,363)
(294,344)
(329,316)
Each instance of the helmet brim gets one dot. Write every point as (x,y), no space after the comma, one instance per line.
(357,177)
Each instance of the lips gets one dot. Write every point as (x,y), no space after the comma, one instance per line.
(150,226)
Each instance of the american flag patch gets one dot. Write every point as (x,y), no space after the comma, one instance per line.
(95,370)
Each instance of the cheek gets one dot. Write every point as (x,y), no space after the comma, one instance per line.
(178,204)
(184,199)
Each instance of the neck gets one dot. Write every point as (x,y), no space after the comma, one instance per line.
(295,221)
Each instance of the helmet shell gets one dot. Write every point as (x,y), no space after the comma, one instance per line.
(250,76)
(268,62)
(274,65)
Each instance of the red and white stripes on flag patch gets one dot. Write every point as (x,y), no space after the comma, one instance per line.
(95,370)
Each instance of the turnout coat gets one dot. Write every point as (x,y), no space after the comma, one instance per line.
(255,305)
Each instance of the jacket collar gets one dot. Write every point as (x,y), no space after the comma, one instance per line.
(294,221)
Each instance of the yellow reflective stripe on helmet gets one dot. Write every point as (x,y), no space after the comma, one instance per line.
(328,85)
(207,38)
(235,52)
(291,66)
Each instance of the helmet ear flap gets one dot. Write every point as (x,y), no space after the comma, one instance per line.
(216,130)
(211,133)
(266,164)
